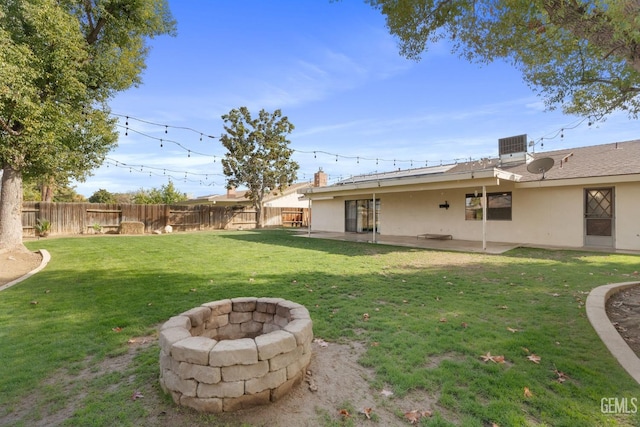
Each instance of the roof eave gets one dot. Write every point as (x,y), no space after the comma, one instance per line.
(446,180)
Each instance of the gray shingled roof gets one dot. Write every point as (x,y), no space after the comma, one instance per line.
(621,158)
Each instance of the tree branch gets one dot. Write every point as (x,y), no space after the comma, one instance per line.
(92,37)
(10,130)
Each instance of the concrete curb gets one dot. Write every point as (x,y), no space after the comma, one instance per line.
(46,257)
(597,315)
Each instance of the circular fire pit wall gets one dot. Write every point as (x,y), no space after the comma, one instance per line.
(235,353)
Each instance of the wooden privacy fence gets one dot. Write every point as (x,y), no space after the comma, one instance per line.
(91,218)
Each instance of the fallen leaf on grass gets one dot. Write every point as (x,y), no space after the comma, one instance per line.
(386,393)
(117,329)
(365,316)
(443,320)
(464,325)
(562,377)
(414,416)
(527,392)
(366,412)
(512,330)
(498,359)
(321,342)
(534,358)
(136,395)
(344,413)
(495,359)
(34,303)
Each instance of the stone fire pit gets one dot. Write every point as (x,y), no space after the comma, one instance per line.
(235,353)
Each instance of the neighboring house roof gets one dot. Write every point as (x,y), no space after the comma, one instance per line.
(598,161)
(237,197)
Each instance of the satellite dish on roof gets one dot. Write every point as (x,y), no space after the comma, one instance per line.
(541,165)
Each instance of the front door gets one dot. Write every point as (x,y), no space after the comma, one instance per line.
(598,217)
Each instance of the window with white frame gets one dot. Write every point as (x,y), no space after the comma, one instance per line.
(498,207)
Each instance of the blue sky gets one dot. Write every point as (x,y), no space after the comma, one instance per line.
(336,73)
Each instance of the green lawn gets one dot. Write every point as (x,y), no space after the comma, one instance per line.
(431,316)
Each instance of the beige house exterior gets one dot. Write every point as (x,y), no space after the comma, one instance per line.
(288,198)
(587,197)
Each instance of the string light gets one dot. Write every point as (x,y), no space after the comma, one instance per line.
(533,143)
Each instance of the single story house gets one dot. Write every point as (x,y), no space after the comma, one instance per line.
(587,197)
(287,198)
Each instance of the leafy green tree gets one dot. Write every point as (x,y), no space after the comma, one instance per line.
(166,194)
(102,196)
(258,154)
(60,62)
(582,55)
(33,191)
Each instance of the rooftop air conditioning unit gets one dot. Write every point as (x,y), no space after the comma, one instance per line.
(513,149)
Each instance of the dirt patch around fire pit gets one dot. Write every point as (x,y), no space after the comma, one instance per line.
(15,264)
(623,309)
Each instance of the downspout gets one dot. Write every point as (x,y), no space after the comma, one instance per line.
(374,217)
(484,218)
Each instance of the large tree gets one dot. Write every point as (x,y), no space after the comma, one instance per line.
(60,63)
(583,55)
(258,154)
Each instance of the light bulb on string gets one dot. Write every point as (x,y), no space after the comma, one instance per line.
(160,142)
(166,129)
(189,153)
(126,131)
(126,123)
(336,157)
(562,133)
(314,155)
(200,137)
(358,159)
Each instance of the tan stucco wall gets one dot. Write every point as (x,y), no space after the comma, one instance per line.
(627,213)
(552,216)
(289,201)
(327,215)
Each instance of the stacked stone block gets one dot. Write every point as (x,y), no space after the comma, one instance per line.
(235,353)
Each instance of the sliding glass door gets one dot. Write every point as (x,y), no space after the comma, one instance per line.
(360,214)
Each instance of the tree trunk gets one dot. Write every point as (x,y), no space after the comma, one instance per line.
(46,193)
(11,210)
(259,219)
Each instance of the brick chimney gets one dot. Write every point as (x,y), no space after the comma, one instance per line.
(320,179)
(231,193)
